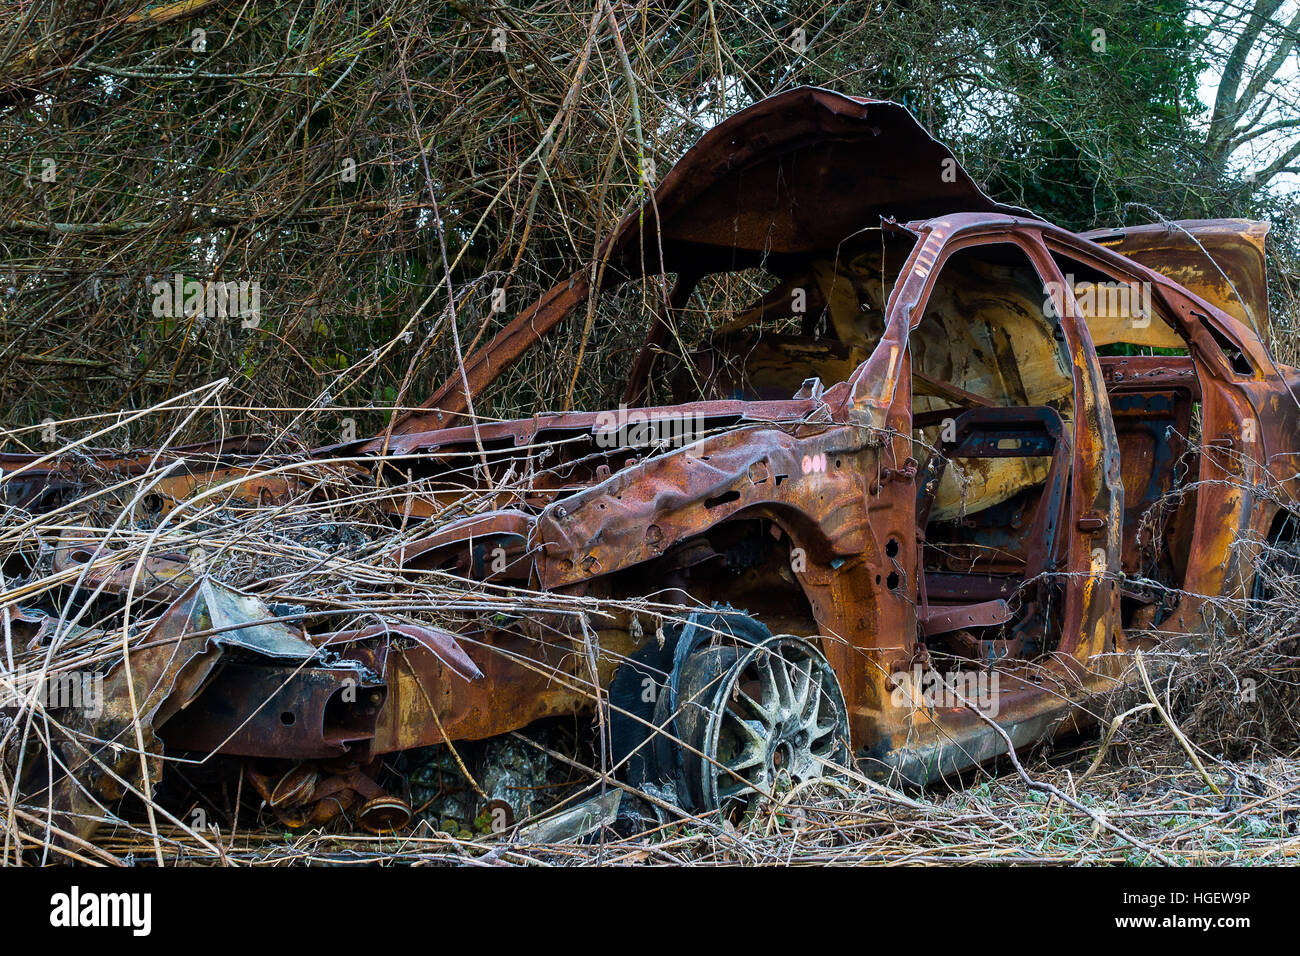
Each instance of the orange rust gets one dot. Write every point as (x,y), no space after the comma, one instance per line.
(830,472)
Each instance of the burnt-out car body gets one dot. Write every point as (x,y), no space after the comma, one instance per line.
(941,462)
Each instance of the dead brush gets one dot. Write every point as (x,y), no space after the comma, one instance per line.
(295,552)
(325,554)
(389,122)
(1242,695)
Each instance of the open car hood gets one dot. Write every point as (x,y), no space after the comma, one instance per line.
(794,174)
(787,180)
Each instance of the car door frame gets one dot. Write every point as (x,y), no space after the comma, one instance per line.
(1090,623)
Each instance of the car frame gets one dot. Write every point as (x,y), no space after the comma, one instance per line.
(825,494)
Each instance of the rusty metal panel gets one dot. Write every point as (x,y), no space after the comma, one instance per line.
(844,474)
(1221,260)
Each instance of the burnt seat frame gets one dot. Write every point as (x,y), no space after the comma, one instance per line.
(1036,431)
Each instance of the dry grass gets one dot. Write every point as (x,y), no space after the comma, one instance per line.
(1144,800)
(231,166)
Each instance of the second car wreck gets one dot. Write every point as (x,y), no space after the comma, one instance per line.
(924,451)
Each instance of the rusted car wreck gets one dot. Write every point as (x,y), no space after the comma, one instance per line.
(943,461)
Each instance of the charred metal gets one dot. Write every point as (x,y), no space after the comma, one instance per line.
(949,466)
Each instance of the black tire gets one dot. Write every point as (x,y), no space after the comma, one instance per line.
(659,760)
(702,728)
